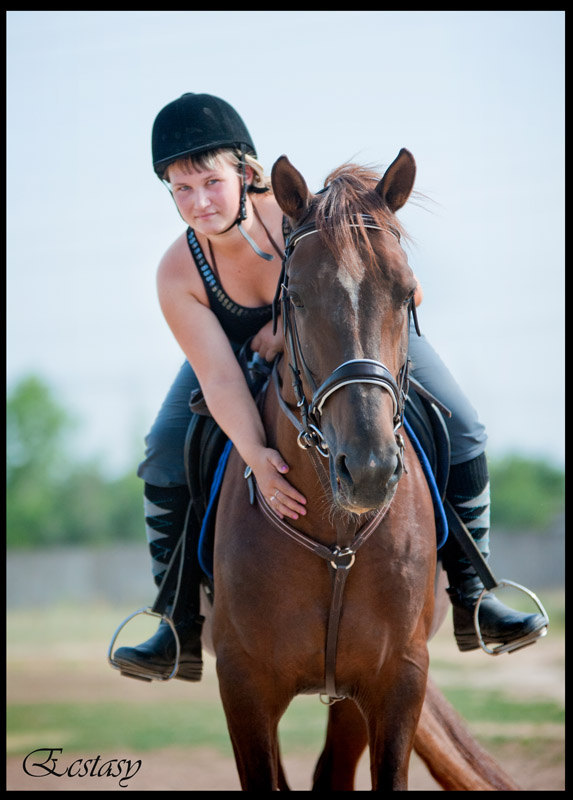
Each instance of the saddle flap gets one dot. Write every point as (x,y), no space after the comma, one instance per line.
(430,430)
(427,431)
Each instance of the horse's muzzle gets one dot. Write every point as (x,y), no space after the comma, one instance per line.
(363,483)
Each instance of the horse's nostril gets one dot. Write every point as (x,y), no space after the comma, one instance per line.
(342,471)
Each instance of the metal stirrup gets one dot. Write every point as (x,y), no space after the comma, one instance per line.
(529,638)
(142,674)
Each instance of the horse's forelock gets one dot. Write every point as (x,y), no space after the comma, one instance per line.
(350,192)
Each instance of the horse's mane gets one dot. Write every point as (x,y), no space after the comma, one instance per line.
(350,192)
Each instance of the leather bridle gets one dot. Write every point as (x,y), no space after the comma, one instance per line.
(357,370)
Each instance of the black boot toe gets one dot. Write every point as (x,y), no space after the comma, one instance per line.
(498,623)
(155,658)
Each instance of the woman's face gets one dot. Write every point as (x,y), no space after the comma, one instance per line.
(207,199)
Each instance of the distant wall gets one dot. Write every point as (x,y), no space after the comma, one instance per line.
(534,560)
(122,574)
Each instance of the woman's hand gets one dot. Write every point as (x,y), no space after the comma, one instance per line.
(267,344)
(269,467)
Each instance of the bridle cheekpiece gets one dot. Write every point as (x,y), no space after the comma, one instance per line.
(358,370)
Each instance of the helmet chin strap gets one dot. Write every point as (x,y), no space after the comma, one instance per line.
(254,245)
(243,216)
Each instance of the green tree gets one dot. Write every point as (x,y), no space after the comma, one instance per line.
(526,493)
(52,498)
(36,428)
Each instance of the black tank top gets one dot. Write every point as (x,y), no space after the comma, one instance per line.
(238,322)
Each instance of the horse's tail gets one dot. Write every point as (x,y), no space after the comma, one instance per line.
(452,755)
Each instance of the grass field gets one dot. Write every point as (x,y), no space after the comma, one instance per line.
(63,694)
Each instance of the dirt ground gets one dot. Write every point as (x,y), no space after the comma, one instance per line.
(206,770)
(534,757)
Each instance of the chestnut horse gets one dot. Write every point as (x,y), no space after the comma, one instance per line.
(340,602)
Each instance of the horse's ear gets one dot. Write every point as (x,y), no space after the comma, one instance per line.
(289,188)
(398,181)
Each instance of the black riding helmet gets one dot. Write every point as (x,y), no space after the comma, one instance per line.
(196,123)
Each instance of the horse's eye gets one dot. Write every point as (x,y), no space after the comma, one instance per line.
(295,300)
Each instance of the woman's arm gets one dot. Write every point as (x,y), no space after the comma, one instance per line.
(224,387)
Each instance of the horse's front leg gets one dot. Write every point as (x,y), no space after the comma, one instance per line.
(346,739)
(253,710)
(392,712)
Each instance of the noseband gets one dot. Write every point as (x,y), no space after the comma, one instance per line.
(357,370)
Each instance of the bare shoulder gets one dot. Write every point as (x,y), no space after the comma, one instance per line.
(175,261)
(177,275)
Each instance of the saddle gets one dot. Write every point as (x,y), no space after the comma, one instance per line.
(206,453)
(207,449)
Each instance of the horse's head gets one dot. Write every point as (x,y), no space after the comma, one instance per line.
(347,292)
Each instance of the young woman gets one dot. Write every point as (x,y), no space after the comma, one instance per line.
(216,284)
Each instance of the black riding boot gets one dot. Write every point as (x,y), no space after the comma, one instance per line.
(165,516)
(155,658)
(468,492)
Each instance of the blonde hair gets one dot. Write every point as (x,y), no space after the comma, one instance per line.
(209,159)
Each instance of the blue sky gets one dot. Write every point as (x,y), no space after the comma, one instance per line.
(477,96)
